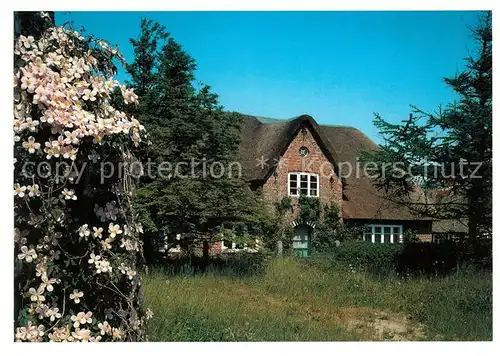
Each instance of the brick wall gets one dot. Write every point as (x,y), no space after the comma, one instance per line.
(330,186)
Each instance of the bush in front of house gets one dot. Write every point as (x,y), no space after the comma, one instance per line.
(237,264)
(356,255)
(409,258)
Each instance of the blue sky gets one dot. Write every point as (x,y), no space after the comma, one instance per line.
(339,67)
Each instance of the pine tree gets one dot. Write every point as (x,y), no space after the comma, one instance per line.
(187,125)
(144,67)
(449,152)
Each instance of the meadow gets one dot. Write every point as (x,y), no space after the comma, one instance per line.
(292,299)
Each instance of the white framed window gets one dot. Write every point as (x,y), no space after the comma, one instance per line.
(384,233)
(303,184)
(229,245)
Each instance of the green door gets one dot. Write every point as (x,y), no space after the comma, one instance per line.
(301,241)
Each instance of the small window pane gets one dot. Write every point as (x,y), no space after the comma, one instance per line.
(378,229)
(387,230)
(378,238)
(368,237)
(303,184)
(314,185)
(314,192)
(314,179)
(293,177)
(293,184)
(293,191)
(300,241)
(299,244)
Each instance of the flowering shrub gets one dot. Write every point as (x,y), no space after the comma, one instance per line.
(76,240)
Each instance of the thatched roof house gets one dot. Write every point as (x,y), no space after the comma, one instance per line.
(265,140)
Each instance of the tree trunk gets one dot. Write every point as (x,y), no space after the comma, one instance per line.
(205,251)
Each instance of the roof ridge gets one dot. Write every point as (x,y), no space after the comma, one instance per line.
(341,126)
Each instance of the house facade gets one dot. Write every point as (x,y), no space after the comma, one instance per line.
(289,158)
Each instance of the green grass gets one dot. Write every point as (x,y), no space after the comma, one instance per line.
(295,300)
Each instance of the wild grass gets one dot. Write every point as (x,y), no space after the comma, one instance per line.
(299,300)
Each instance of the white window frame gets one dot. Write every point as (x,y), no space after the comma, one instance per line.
(309,175)
(391,238)
(233,246)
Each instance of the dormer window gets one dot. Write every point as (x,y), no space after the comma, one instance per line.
(303,184)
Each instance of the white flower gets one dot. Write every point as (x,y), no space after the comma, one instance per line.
(32,124)
(106,244)
(89,95)
(31,332)
(53,313)
(139,228)
(81,334)
(98,232)
(36,295)
(27,254)
(94,258)
(130,245)
(84,231)
(27,41)
(76,295)
(18,190)
(81,318)
(60,334)
(69,194)
(42,310)
(21,333)
(71,138)
(149,313)
(123,269)
(103,266)
(33,190)
(117,334)
(104,327)
(47,283)
(31,145)
(41,269)
(114,230)
(131,273)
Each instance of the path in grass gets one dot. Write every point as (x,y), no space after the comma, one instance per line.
(297,302)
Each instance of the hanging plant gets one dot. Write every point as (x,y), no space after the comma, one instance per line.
(76,239)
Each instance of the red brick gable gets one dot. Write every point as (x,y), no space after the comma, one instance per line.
(263,140)
(330,186)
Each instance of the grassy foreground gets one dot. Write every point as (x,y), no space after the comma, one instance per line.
(294,300)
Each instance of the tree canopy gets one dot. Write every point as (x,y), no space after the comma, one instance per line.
(191,137)
(440,164)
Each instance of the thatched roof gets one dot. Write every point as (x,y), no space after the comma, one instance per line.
(449,226)
(268,138)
